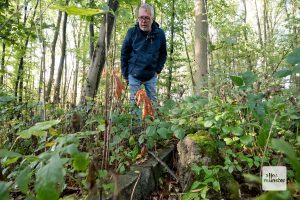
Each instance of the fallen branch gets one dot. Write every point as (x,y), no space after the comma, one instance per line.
(133,190)
(165,165)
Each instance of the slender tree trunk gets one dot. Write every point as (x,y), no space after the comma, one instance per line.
(294,31)
(56,98)
(65,83)
(52,66)
(2,64)
(43,58)
(92,81)
(92,33)
(246,34)
(20,72)
(76,72)
(201,33)
(42,71)
(265,26)
(190,69)
(2,72)
(85,61)
(169,86)
(259,27)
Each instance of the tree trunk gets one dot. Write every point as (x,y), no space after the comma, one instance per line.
(246,35)
(92,33)
(201,33)
(52,66)
(64,85)
(259,27)
(265,26)
(2,72)
(190,69)
(56,98)
(77,41)
(20,72)
(169,86)
(42,71)
(294,31)
(92,81)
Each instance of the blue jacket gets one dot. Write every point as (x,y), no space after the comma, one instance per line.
(143,54)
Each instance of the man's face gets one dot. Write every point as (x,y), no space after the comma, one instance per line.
(145,20)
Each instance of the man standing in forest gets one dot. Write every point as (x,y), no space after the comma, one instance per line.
(143,55)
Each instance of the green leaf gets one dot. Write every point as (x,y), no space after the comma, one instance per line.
(142,139)
(249,78)
(204,191)
(228,141)
(208,124)
(23,179)
(226,129)
(283,73)
(121,168)
(196,169)
(70,149)
(10,161)
(81,161)
(237,131)
(196,185)
(190,196)
(102,173)
(45,125)
(4,153)
(179,133)
(163,133)
(38,129)
(294,57)
(101,127)
(73,10)
(252,178)
(150,142)
(150,131)
(131,141)
(287,149)
(216,185)
(237,80)
(296,69)
(50,179)
(4,192)
(246,139)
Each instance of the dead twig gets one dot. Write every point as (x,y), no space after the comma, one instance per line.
(165,166)
(134,187)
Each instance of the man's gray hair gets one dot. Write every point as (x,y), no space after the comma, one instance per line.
(148,8)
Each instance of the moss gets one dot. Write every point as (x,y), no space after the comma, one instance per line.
(207,145)
(229,186)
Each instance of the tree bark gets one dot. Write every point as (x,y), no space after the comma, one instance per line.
(92,33)
(92,81)
(77,42)
(52,66)
(169,86)
(20,72)
(259,27)
(56,98)
(2,64)
(190,69)
(201,33)
(246,35)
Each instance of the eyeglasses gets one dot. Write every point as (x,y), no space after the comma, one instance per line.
(144,18)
